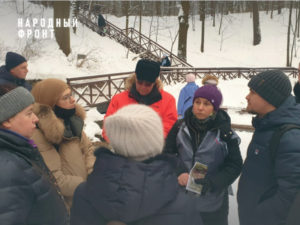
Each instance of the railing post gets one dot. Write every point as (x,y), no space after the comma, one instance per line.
(109,86)
(91,94)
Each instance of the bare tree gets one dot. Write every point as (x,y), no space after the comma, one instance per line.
(140,19)
(272,8)
(221,20)
(288,62)
(125,7)
(62,34)
(256,27)
(213,12)
(183,19)
(202,18)
(298,20)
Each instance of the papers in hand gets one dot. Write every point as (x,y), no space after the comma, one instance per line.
(198,171)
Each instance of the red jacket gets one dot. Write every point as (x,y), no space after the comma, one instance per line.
(166,108)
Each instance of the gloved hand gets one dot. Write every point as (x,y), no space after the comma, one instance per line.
(206,185)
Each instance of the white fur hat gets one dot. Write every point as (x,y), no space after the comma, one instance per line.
(135,131)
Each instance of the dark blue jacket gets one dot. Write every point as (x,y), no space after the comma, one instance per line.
(165,61)
(27,195)
(7,78)
(265,194)
(185,99)
(140,193)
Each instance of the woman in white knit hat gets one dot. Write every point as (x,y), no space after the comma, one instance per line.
(133,182)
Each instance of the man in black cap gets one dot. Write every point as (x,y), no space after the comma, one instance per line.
(145,87)
(267,188)
(14,71)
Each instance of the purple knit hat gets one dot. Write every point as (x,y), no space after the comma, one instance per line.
(211,93)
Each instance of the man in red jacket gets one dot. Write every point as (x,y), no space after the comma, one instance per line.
(145,87)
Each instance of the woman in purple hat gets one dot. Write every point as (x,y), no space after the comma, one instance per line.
(204,141)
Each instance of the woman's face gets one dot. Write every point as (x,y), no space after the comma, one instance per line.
(66,100)
(23,123)
(144,87)
(202,108)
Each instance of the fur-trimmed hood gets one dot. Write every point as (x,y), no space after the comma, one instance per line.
(131,80)
(51,126)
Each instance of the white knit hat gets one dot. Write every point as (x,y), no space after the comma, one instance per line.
(135,131)
(190,77)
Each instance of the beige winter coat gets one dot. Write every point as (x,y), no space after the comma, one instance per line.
(69,159)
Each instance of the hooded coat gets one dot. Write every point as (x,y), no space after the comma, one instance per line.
(8,78)
(69,158)
(186,96)
(162,102)
(27,193)
(132,192)
(265,194)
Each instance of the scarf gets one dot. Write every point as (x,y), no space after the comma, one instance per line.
(152,97)
(198,128)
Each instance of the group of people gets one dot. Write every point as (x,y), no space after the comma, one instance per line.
(50,172)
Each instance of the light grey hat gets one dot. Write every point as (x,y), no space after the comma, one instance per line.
(135,131)
(14,102)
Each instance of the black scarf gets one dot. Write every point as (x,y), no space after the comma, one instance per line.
(73,124)
(62,113)
(152,97)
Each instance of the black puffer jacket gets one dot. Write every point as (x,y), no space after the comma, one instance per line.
(139,193)
(27,195)
(7,78)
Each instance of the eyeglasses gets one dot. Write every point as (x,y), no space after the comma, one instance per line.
(145,83)
(67,97)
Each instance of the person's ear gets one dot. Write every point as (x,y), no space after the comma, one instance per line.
(6,124)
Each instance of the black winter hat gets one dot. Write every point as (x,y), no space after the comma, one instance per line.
(147,70)
(12,60)
(272,85)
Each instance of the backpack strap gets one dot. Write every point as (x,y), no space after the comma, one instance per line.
(275,139)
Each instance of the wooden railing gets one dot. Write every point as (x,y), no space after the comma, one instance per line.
(92,90)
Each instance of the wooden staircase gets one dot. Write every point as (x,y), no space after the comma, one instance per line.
(135,41)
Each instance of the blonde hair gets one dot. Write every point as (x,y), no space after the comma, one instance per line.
(208,77)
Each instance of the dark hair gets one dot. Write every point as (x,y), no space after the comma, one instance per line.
(5,88)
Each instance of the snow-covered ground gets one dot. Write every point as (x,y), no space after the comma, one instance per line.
(106,56)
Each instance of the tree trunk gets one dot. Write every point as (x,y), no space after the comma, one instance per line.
(62,34)
(288,63)
(221,20)
(256,27)
(272,7)
(125,6)
(140,20)
(213,12)
(279,6)
(298,27)
(183,29)
(202,18)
